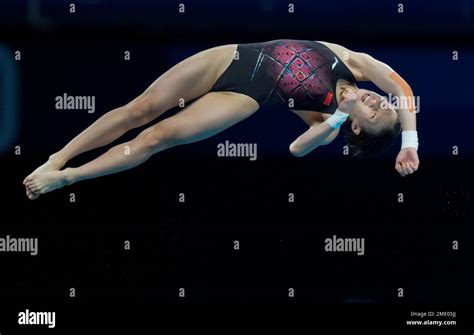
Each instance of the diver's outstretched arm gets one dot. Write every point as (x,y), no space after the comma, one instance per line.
(389,81)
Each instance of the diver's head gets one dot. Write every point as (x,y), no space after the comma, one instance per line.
(372,126)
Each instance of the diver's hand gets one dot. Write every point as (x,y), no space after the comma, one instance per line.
(348,100)
(407,161)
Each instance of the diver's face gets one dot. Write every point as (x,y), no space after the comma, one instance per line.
(372,112)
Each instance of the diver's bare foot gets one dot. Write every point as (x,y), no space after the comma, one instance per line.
(53,164)
(42,183)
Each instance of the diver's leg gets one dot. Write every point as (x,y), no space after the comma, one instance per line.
(206,117)
(186,80)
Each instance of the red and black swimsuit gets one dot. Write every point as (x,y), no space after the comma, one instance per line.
(276,71)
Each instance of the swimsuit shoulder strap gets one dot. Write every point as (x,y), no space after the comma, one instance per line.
(339,67)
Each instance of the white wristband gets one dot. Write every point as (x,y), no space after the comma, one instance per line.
(337,119)
(410,139)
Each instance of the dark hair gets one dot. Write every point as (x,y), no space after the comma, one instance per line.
(366,144)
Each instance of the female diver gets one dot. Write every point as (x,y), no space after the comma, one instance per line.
(314,79)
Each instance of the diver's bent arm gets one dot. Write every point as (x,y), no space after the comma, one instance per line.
(317,135)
